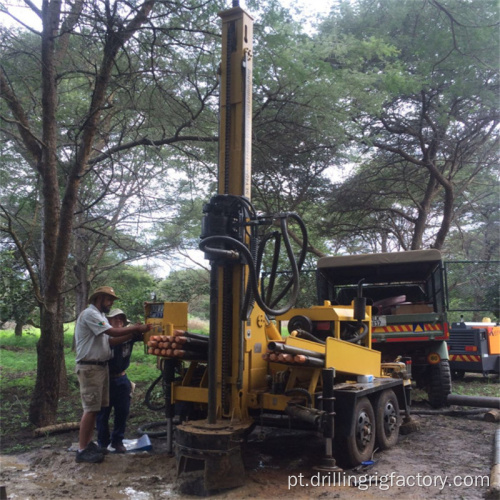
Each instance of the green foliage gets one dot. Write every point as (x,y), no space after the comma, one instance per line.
(473,289)
(477,233)
(142,369)
(18,360)
(134,285)
(17,302)
(18,357)
(406,92)
(423,79)
(190,285)
(474,384)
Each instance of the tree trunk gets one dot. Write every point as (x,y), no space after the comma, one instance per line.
(63,376)
(82,293)
(82,288)
(50,351)
(18,330)
(423,213)
(58,215)
(449,203)
(383,242)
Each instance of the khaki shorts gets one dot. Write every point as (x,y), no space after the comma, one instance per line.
(94,386)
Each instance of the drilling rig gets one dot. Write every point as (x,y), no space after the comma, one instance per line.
(321,375)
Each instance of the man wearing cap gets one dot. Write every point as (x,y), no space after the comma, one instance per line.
(120,387)
(93,351)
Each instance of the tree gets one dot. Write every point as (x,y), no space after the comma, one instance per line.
(134,285)
(473,250)
(16,299)
(110,113)
(424,80)
(189,285)
(96,49)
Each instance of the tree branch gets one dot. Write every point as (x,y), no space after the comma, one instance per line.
(12,233)
(31,142)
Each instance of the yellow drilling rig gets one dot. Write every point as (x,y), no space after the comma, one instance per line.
(322,374)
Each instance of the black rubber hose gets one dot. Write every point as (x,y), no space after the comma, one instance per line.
(205,246)
(302,334)
(217,252)
(294,280)
(249,299)
(149,392)
(361,335)
(302,255)
(249,293)
(477,401)
(301,391)
(274,266)
(144,429)
(447,411)
(197,336)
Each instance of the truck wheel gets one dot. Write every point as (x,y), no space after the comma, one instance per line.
(387,420)
(359,447)
(439,384)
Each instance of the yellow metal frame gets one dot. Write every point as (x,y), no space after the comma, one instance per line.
(237,145)
(347,358)
(175,317)
(337,314)
(352,358)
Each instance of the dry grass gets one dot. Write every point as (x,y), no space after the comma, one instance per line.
(198,325)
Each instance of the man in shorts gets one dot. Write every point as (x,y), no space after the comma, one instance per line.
(92,335)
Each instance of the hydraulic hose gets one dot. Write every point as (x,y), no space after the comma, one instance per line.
(360,335)
(301,391)
(447,411)
(302,255)
(302,334)
(247,256)
(146,429)
(274,266)
(479,401)
(210,245)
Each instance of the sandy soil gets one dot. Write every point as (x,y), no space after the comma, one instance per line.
(446,448)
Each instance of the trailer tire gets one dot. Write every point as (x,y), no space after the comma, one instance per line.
(359,446)
(439,384)
(387,420)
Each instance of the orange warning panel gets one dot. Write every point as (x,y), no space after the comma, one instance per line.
(414,327)
(466,358)
(494,340)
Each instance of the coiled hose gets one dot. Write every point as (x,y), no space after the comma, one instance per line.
(210,246)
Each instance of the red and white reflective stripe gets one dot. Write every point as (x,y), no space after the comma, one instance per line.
(393,329)
(407,339)
(415,327)
(470,358)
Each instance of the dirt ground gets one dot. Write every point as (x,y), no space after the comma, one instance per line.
(450,449)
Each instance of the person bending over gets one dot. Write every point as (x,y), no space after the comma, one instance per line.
(120,387)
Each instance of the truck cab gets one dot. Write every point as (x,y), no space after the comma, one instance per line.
(407,295)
